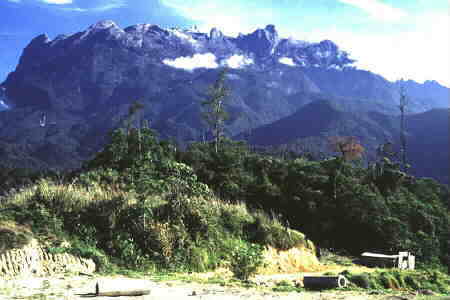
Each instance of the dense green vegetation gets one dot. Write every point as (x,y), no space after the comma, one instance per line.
(396,279)
(136,206)
(143,202)
(338,203)
(168,194)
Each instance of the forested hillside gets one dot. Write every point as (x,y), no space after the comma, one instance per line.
(336,202)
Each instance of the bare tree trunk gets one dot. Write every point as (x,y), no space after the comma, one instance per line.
(402,106)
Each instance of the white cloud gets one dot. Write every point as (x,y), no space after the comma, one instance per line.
(112,5)
(58,2)
(77,9)
(184,36)
(238,61)
(287,61)
(207,60)
(420,54)
(14,1)
(378,10)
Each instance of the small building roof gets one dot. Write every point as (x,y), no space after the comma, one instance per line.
(378,255)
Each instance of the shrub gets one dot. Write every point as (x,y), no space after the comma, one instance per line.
(83,249)
(412,282)
(234,217)
(265,231)
(285,286)
(246,258)
(360,280)
(389,281)
(398,279)
(199,259)
(128,252)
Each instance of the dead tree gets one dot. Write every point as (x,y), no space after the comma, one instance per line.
(402,107)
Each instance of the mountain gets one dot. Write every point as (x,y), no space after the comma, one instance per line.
(429,95)
(309,128)
(68,92)
(323,118)
(17,28)
(106,67)
(428,144)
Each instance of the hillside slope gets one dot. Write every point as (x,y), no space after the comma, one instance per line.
(428,144)
(311,126)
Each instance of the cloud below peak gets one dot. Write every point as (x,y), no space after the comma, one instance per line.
(189,63)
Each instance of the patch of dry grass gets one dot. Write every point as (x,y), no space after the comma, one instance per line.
(294,260)
(13,235)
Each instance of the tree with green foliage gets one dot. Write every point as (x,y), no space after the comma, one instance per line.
(350,149)
(133,111)
(214,112)
(386,173)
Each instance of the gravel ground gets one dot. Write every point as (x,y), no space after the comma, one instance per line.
(76,288)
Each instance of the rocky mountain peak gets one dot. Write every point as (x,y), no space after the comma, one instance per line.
(35,51)
(104,24)
(106,27)
(141,28)
(262,42)
(215,34)
(269,33)
(263,46)
(328,45)
(272,33)
(271,28)
(431,83)
(39,40)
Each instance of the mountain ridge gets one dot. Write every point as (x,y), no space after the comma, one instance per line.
(85,82)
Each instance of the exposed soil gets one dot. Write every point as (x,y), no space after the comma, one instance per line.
(74,287)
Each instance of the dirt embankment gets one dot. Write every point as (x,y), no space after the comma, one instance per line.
(28,271)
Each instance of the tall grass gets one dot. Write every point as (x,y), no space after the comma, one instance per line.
(170,230)
(401,279)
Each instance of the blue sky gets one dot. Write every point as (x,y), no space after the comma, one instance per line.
(395,38)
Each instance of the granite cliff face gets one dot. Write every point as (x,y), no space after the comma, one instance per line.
(108,64)
(81,86)
(105,63)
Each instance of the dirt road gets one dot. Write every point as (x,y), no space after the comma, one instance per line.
(74,287)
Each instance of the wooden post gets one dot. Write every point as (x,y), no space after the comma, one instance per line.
(324,282)
(98,293)
(124,293)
